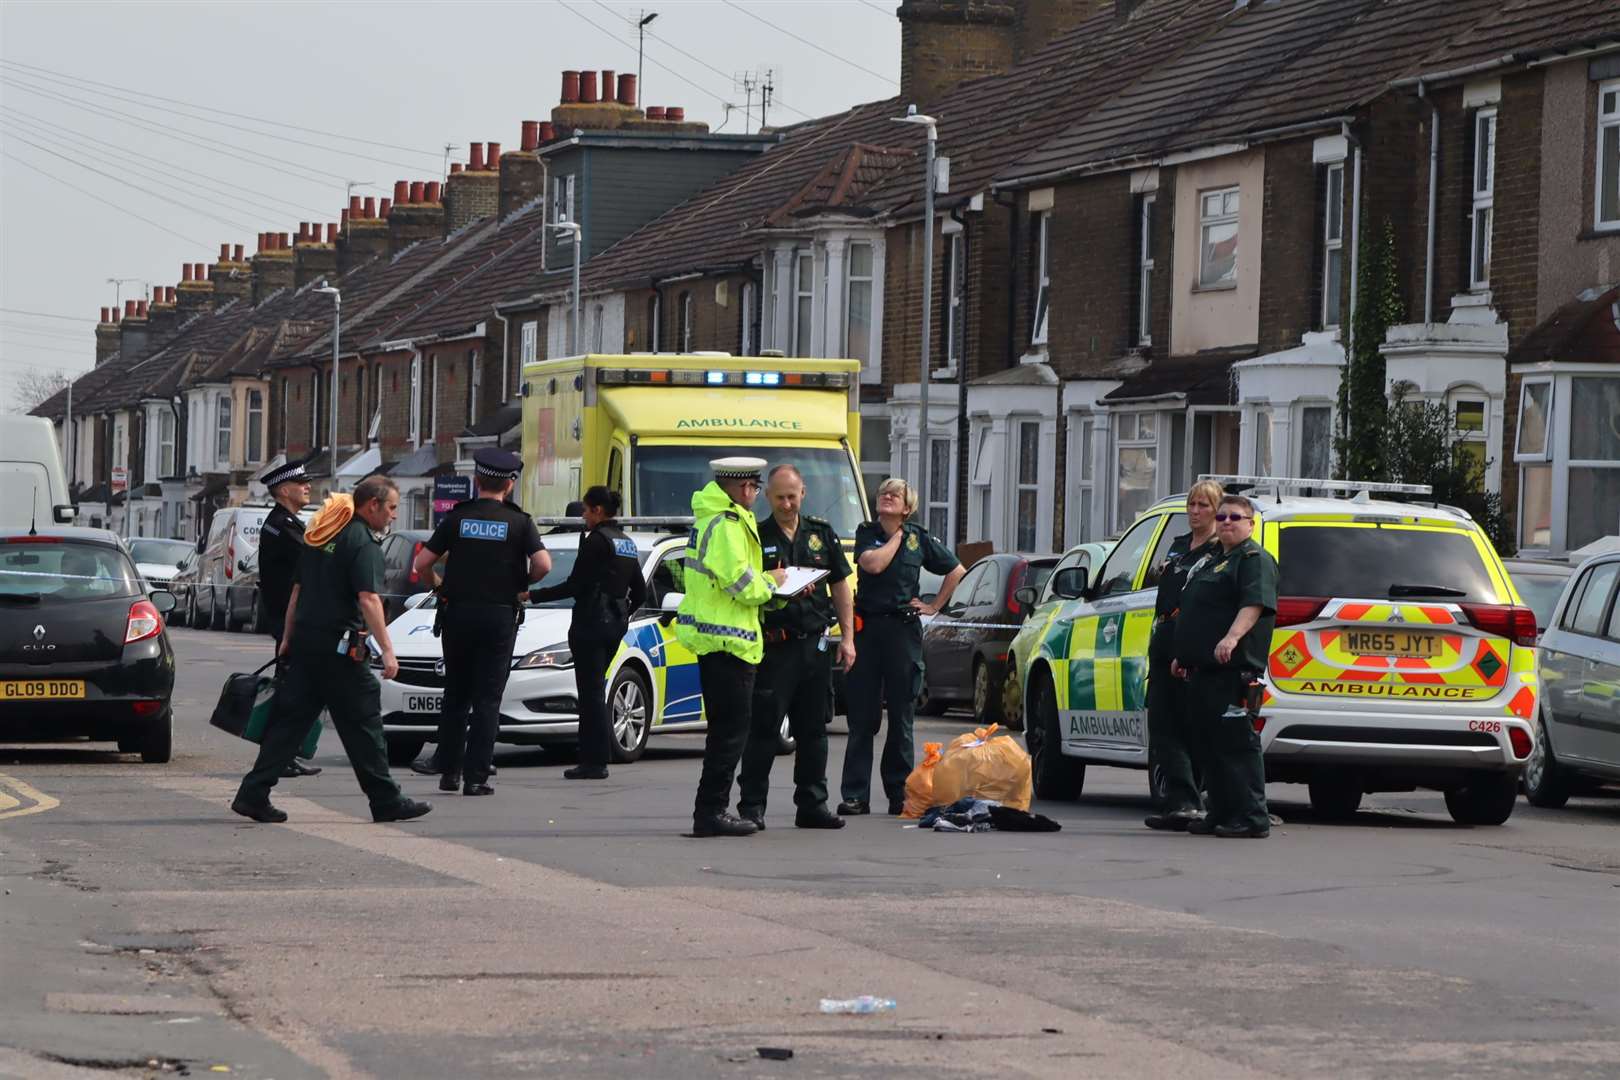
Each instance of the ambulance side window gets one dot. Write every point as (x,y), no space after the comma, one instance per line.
(1118,574)
(615,470)
(1176,526)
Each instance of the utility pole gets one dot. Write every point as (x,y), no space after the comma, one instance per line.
(765,91)
(924,455)
(746,81)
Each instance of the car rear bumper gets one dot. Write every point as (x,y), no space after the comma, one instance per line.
(1467,739)
(119,697)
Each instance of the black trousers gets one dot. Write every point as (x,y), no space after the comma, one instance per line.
(477,660)
(794,679)
(887,676)
(1170,740)
(1227,749)
(309,682)
(593,650)
(728,697)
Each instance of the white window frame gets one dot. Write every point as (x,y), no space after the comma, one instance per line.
(222,429)
(1298,448)
(1207,221)
(1131,420)
(528,341)
(1083,476)
(1607,121)
(804,323)
(568,198)
(1545,453)
(315,409)
(165,428)
(688,311)
(655,344)
(475,385)
(937,499)
(1471,395)
(851,279)
(252,454)
(1144,269)
(433,400)
(745,341)
(1484,199)
(1021,484)
(416,400)
(1265,433)
(374,428)
(1332,245)
(1043,291)
(955,299)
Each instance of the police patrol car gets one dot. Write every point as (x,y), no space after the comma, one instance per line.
(652,683)
(1403,656)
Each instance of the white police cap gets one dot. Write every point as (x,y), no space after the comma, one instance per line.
(737,468)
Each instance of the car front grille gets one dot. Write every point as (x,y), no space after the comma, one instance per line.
(415,673)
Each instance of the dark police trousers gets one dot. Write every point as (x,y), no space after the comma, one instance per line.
(593,650)
(477,659)
(1170,741)
(307,683)
(887,675)
(728,699)
(1227,749)
(794,679)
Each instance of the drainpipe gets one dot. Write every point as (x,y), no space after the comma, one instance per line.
(1434,169)
(506,357)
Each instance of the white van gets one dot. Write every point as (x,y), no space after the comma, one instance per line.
(33,487)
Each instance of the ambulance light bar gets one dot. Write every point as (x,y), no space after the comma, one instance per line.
(1280,483)
(670,523)
(815,380)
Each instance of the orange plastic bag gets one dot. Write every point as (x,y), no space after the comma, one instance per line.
(920,784)
(984,765)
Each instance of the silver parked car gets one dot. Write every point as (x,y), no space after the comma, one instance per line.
(1578,736)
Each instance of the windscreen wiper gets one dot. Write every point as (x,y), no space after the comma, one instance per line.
(1425,590)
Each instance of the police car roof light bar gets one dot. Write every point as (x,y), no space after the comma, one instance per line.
(670,523)
(1282,483)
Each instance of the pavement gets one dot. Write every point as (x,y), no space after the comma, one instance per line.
(570,929)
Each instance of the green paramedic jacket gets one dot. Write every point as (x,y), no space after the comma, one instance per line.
(725,584)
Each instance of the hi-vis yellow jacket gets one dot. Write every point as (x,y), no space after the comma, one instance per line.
(725,584)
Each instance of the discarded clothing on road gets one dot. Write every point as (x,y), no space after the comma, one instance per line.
(982,815)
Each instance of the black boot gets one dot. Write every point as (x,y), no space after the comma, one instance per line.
(817,817)
(403,810)
(264,811)
(586,772)
(751,814)
(854,808)
(722,824)
(450,782)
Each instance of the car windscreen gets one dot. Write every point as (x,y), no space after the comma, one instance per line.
(1541,593)
(1375,563)
(562,564)
(63,571)
(170,552)
(1037,574)
(666,477)
(248,523)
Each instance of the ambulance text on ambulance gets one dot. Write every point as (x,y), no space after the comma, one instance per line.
(1392,690)
(740,422)
(1125,727)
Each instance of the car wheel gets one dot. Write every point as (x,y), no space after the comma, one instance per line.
(1335,795)
(255,619)
(1055,776)
(1012,702)
(1486,800)
(193,612)
(1546,784)
(216,614)
(156,743)
(404,749)
(927,704)
(986,699)
(232,622)
(785,742)
(630,710)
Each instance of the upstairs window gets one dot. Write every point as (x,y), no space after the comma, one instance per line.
(1332,248)
(683,331)
(528,340)
(1484,173)
(654,312)
(165,441)
(804,307)
(1144,269)
(955,309)
(858,304)
(1043,281)
(255,427)
(1607,200)
(475,385)
(222,431)
(745,337)
(1218,239)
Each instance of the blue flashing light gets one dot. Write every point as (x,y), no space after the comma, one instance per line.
(754,378)
(716,378)
(771,378)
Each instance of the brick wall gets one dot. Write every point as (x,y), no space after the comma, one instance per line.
(365,239)
(1516,233)
(394,376)
(412,222)
(1092,255)
(299,403)
(944,42)
(1290,265)
(313,261)
(272,270)
(522,181)
(470,196)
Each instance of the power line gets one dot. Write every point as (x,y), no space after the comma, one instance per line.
(133,187)
(225,112)
(102,201)
(879,7)
(806,41)
(7,329)
(181,135)
(102,144)
(50,79)
(43,315)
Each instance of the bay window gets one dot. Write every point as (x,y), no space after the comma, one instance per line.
(165,426)
(1316,441)
(1606,201)
(1568,452)
(1028,484)
(938,511)
(804,303)
(1136,465)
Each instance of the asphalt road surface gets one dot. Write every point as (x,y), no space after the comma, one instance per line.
(570,929)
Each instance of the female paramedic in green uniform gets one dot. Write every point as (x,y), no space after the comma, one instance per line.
(1169,763)
(1223,636)
(889,557)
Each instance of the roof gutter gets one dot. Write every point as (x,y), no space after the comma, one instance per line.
(1455,73)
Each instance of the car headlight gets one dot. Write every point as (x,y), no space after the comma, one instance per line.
(552,656)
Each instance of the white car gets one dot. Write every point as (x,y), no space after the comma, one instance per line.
(652,683)
(158,561)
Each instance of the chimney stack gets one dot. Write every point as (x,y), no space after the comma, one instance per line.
(362,239)
(312,259)
(107,337)
(273,268)
(196,292)
(474,192)
(230,276)
(627,90)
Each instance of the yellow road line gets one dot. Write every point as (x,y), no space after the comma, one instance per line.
(41,801)
(7,802)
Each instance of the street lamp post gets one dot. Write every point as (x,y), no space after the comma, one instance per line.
(573,329)
(923,454)
(337,325)
(641,48)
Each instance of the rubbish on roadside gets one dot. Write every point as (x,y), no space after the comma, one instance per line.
(983,815)
(860,1006)
(920,784)
(1052,1031)
(774,1053)
(983,765)
(1012,819)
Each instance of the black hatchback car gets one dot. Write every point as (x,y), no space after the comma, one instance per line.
(83,649)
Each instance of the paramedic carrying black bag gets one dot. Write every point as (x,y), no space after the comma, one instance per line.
(245,705)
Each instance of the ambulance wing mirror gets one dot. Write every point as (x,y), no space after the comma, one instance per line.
(1070,583)
(671,605)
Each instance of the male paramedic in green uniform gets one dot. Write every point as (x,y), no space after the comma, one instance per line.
(1223,637)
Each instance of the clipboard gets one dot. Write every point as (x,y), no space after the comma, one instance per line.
(799,578)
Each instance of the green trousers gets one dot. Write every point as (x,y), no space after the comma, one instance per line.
(1170,742)
(794,680)
(1227,749)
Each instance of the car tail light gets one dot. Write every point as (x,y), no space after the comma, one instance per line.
(1259,724)
(34,540)
(230,559)
(415,551)
(1518,624)
(1519,739)
(144,622)
(147,708)
(1014,580)
(1299,609)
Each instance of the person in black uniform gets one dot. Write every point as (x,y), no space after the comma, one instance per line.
(606,585)
(795,678)
(281,540)
(890,555)
(1179,800)
(1223,637)
(495,553)
(325,656)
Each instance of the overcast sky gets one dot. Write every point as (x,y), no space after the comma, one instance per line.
(325,93)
